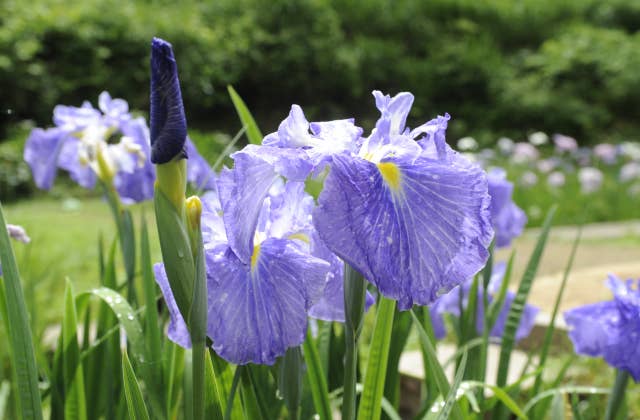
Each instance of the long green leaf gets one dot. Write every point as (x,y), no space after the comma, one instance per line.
(317,380)
(253,132)
(153,334)
(433,365)
(74,399)
(370,401)
(20,338)
(135,401)
(517,307)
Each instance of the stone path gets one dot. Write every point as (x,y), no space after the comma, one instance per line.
(605,248)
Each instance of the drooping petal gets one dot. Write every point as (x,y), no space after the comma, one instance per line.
(41,153)
(330,306)
(415,230)
(177,331)
(258,311)
(168,121)
(589,327)
(610,329)
(242,192)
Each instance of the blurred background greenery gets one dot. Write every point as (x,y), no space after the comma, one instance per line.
(499,67)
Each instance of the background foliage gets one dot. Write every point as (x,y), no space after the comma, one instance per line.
(500,67)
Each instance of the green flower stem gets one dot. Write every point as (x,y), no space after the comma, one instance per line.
(616,399)
(124,224)
(198,315)
(354,300)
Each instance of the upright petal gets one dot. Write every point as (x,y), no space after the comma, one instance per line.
(168,121)
(258,311)
(395,110)
(242,191)
(41,153)
(415,230)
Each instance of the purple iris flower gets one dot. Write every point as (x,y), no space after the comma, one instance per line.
(400,206)
(82,133)
(90,143)
(507,218)
(451,303)
(610,329)
(266,268)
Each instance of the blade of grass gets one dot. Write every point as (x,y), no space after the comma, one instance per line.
(253,132)
(232,392)
(20,338)
(317,380)
(434,365)
(354,301)
(400,331)
(213,406)
(498,393)
(517,307)
(370,401)
(5,391)
(135,402)
(546,342)
(290,380)
(74,399)
(564,390)
(452,396)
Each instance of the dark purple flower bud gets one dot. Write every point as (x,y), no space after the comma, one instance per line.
(168,122)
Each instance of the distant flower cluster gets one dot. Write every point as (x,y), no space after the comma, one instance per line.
(107,144)
(555,160)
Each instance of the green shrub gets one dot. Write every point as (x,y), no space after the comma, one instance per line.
(498,66)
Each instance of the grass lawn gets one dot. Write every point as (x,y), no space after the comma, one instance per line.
(64,243)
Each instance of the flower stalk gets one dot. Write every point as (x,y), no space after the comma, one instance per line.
(355,290)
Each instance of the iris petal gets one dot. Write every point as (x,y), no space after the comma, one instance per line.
(256,315)
(177,331)
(41,151)
(413,242)
(242,192)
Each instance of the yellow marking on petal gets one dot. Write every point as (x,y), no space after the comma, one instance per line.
(254,257)
(301,236)
(391,175)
